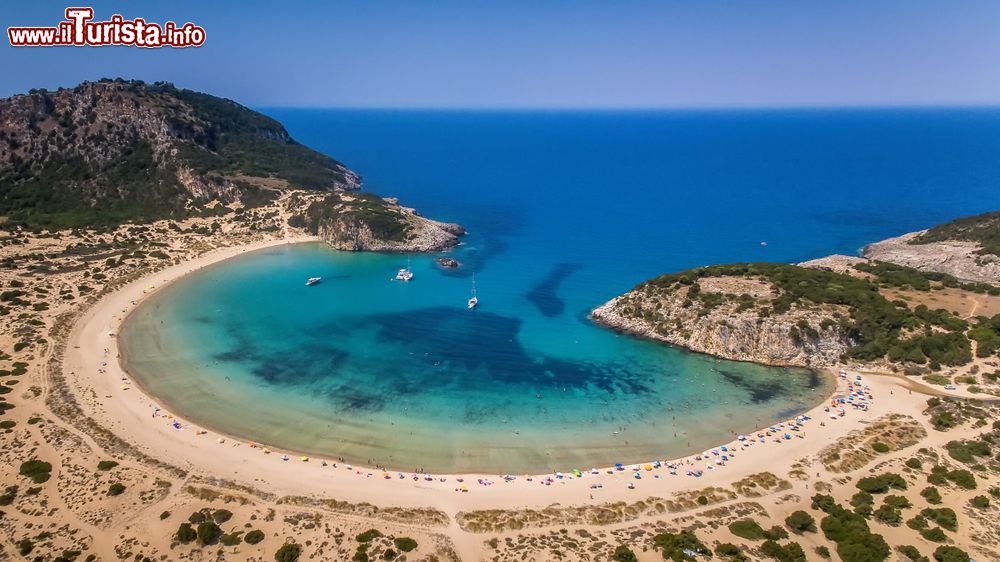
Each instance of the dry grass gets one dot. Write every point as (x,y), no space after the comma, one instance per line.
(855,450)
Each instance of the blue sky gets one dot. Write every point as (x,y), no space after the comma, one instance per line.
(545,54)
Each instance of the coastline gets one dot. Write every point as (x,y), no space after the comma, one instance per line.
(127,411)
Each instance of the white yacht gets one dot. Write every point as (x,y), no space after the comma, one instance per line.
(313,281)
(474,301)
(405,274)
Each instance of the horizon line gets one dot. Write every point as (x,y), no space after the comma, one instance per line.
(637,109)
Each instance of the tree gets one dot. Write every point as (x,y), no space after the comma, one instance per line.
(254,536)
(185,533)
(950,554)
(623,553)
(406,544)
(208,532)
(801,522)
(288,552)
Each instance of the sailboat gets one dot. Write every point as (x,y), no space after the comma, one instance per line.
(474,301)
(405,274)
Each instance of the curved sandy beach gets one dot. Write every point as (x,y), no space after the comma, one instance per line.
(93,371)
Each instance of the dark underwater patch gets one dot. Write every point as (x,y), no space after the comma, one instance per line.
(544,295)
(760,391)
(479,350)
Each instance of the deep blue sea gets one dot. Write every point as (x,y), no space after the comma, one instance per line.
(564,211)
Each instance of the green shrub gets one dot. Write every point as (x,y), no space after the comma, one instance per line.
(963,479)
(24,546)
(946,553)
(966,451)
(185,533)
(230,539)
(855,542)
(116,489)
(801,522)
(369,535)
(943,421)
(164,515)
(38,471)
(823,552)
(208,532)
(917,523)
(751,530)
(405,544)
(863,503)
(220,516)
(254,536)
(934,535)
(938,475)
(882,483)
(912,553)
(288,553)
(943,516)
(880,447)
(931,494)
(731,552)
(790,552)
(823,502)
(673,545)
(898,502)
(623,553)
(981,502)
(888,515)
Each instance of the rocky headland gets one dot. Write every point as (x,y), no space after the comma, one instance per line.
(114,152)
(925,300)
(730,317)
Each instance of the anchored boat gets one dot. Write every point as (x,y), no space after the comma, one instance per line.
(474,301)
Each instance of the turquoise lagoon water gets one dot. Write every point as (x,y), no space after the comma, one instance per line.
(564,211)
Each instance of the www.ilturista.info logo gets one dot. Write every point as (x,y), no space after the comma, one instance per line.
(79,31)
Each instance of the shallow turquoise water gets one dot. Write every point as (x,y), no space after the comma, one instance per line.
(564,211)
(404,374)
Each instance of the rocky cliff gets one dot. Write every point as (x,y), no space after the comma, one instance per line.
(963,259)
(732,318)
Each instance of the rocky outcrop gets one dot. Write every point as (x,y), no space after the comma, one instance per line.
(366,222)
(837,263)
(959,258)
(423,235)
(733,329)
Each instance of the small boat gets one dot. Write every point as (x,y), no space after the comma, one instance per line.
(405,274)
(313,281)
(474,301)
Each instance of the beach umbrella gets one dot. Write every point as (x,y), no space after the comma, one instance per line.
(304,459)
